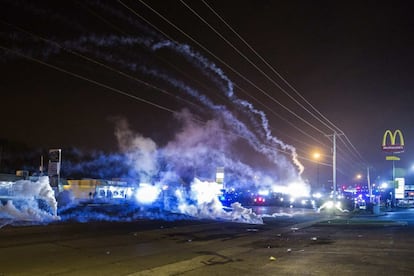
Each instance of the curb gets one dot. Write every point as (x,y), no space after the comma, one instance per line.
(361,222)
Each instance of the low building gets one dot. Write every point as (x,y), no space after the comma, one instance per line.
(99,189)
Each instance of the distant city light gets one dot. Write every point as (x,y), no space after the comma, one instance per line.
(263,192)
(317,195)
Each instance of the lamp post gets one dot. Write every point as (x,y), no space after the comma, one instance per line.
(316,156)
(359,177)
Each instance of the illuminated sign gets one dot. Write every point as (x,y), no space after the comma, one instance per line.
(220,176)
(392,158)
(391,144)
(399,188)
(55,158)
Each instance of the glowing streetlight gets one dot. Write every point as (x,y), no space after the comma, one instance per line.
(359,177)
(317,156)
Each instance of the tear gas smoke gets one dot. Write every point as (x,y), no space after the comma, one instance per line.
(147,193)
(140,151)
(207,205)
(188,162)
(27,200)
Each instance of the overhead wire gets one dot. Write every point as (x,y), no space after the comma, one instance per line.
(231,68)
(103,85)
(169,22)
(183,73)
(334,128)
(252,63)
(159,30)
(99,63)
(203,47)
(118,91)
(241,89)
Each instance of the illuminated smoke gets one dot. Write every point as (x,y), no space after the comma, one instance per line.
(202,202)
(88,44)
(197,148)
(28,201)
(96,164)
(140,151)
(205,64)
(147,193)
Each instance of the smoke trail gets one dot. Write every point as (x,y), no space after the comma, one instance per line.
(196,150)
(202,62)
(198,59)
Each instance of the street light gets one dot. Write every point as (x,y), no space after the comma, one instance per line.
(316,156)
(359,177)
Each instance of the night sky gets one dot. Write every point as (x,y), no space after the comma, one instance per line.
(70,70)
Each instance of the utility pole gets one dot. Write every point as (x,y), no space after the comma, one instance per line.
(41,165)
(369,186)
(334,162)
(1,154)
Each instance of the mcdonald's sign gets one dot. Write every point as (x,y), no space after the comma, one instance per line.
(390,143)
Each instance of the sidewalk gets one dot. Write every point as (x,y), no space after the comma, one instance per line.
(362,218)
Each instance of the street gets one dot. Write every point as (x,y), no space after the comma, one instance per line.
(301,244)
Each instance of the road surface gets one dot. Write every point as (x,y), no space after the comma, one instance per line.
(284,245)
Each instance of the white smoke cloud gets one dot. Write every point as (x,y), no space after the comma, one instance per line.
(211,70)
(199,146)
(141,151)
(23,199)
(202,202)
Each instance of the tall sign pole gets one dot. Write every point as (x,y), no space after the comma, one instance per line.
(55,159)
(334,163)
(393,146)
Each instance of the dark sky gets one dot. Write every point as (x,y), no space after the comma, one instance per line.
(351,60)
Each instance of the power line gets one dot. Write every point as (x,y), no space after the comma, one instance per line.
(118,91)
(114,70)
(252,63)
(230,67)
(274,71)
(240,88)
(99,63)
(203,47)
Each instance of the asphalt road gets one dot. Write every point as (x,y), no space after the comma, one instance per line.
(284,245)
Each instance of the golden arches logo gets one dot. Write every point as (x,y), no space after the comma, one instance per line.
(392,145)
